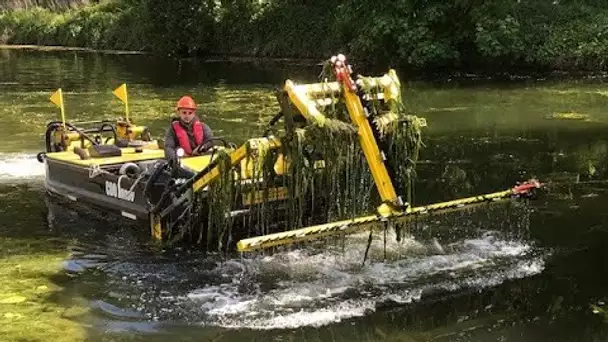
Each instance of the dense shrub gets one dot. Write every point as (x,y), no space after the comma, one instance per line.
(429,34)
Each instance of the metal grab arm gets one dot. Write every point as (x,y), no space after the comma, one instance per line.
(212,171)
(359,223)
(181,193)
(304,98)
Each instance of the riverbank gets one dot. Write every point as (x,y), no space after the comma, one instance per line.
(439,37)
(68,48)
(207,59)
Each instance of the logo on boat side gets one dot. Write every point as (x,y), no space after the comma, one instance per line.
(113,190)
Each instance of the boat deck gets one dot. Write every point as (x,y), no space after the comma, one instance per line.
(128,155)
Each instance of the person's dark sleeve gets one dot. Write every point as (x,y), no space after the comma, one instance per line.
(207,132)
(170,145)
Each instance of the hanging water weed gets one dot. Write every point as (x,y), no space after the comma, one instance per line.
(320,167)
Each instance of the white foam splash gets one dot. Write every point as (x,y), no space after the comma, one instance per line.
(19,167)
(315,318)
(321,286)
(315,289)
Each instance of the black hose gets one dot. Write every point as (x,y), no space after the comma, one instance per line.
(47,136)
(271,123)
(112,128)
(164,196)
(225,143)
(40,157)
(184,186)
(54,124)
(160,168)
(82,134)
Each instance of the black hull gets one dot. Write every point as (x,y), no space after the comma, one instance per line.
(116,194)
(104,191)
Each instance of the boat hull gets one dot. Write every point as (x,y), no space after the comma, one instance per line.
(118,194)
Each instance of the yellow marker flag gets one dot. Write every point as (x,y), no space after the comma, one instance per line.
(121,93)
(57,99)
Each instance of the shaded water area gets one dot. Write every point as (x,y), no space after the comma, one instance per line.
(511,271)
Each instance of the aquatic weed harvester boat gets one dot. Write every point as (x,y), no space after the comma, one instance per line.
(343,161)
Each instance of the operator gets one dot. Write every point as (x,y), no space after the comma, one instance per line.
(186,131)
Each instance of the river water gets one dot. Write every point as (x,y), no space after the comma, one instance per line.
(510,271)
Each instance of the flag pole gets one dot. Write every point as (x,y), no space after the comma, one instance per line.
(62,108)
(127,104)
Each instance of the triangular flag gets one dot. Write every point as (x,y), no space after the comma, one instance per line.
(121,92)
(57,99)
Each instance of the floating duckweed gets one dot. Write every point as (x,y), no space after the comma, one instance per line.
(568,116)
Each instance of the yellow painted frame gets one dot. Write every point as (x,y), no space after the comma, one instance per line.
(235,157)
(302,96)
(360,223)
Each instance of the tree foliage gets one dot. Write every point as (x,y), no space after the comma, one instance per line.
(415,33)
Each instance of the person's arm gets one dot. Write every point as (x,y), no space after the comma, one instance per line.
(207,132)
(170,145)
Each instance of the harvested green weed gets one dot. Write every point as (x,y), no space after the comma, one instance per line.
(326,176)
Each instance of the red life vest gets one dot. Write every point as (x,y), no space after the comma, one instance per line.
(182,135)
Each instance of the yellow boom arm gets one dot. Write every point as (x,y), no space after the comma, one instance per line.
(360,223)
(306,99)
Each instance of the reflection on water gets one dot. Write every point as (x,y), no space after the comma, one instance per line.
(507,271)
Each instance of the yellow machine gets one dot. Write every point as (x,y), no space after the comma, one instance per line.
(344,161)
(310,101)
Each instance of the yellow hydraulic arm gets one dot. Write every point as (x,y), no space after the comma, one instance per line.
(207,175)
(235,157)
(303,97)
(368,143)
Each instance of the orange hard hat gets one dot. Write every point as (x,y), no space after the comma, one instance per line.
(186,102)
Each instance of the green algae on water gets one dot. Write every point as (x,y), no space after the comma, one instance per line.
(31,305)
